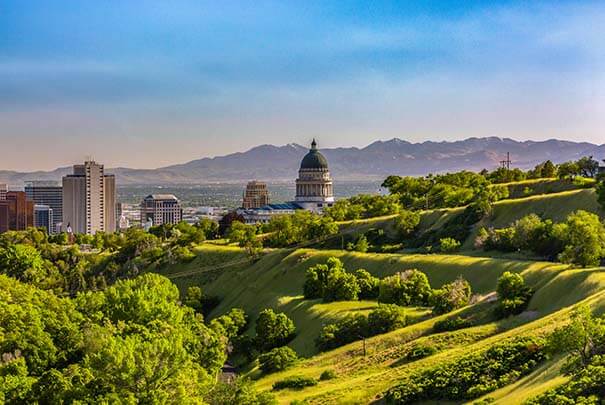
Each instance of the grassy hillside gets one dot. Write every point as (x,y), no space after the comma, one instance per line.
(276,282)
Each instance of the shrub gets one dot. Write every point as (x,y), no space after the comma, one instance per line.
(346,330)
(454,295)
(583,236)
(277,359)
(410,287)
(232,323)
(449,245)
(407,222)
(451,324)
(295,383)
(273,330)
(385,318)
(420,351)
(466,378)
(327,375)
(368,284)
(513,294)
(331,282)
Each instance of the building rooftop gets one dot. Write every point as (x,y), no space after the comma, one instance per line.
(161,197)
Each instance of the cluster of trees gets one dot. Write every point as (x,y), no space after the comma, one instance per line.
(332,282)
(132,342)
(383,319)
(583,338)
(580,240)
(287,230)
(466,378)
(364,206)
(513,294)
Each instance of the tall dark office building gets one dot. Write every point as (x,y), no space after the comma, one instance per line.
(47,193)
(16,212)
(43,217)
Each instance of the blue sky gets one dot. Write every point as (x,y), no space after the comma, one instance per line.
(150,83)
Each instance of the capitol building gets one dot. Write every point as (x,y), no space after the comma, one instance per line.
(314,185)
(314,191)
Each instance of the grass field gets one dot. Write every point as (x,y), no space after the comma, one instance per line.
(276,280)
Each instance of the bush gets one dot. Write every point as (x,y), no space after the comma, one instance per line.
(451,324)
(419,352)
(295,383)
(454,295)
(342,286)
(277,359)
(449,245)
(273,330)
(407,222)
(410,287)
(331,282)
(346,330)
(466,378)
(513,295)
(327,375)
(385,318)
(368,284)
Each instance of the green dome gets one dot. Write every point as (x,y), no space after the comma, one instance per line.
(314,159)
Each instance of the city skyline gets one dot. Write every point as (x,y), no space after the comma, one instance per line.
(128,82)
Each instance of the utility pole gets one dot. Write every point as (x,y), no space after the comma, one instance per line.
(506,163)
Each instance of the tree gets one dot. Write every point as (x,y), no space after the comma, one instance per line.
(231,324)
(361,245)
(316,278)
(583,337)
(22,262)
(342,286)
(583,237)
(513,294)
(386,318)
(448,245)
(407,222)
(240,391)
(277,359)
(273,329)
(588,166)
(410,287)
(245,236)
(454,295)
(368,284)
(209,228)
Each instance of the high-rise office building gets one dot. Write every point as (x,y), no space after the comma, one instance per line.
(89,199)
(3,191)
(256,195)
(16,212)
(43,217)
(161,209)
(47,193)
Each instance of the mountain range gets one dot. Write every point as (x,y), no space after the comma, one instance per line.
(375,161)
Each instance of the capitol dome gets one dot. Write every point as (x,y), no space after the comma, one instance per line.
(314,159)
(314,185)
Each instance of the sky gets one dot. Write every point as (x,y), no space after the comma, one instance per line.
(146,84)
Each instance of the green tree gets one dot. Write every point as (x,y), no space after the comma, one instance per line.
(513,294)
(448,245)
(583,237)
(454,295)
(273,329)
(277,359)
(368,284)
(245,236)
(386,318)
(22,262)
(241,391)
(407,222)
(410,287)
(583,337)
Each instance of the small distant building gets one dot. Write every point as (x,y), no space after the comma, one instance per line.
(47,193)
(159,209)
(256,195)
(3,191)
(264,214)
(43,217)
(16,212)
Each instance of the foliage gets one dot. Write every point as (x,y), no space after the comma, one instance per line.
(419,351)
(277,359)
(513,294)
(331,282)
(407,222)
(368,284)
(466,378)
(448,245)
(383,319)
(132,341)
(22,262)
(328,374)
(241,391)
(287,230)
(583,236)
(245,236)
(451,324)
(200,302)
(273,329)
(583,337)
(361,245)
(410,287)
(231,324)
(298,382)
(454,295)
(363,206)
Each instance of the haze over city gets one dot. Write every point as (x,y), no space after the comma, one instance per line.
(146,84)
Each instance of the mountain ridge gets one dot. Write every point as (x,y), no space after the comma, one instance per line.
(374,161)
